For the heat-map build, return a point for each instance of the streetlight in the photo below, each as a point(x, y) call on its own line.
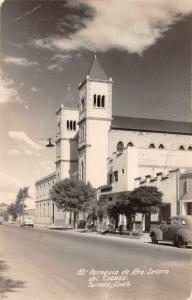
point(50, 144)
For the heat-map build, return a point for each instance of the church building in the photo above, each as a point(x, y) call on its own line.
point(116, 153)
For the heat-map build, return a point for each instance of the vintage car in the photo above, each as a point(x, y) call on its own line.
point(27, 220)
point(177, 229)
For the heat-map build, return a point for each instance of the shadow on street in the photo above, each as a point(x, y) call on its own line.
point(7, 285)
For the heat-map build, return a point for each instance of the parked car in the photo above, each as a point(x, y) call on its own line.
point(27, 221)
point(177, 229)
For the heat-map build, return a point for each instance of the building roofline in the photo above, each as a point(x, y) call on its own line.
point(46, 177)
point(67, 108)
point(151, 125)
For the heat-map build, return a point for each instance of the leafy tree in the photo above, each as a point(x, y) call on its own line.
point(21, 196)
point(108, 208)
point(12, 211)
point(147, 200)
point(123, 205)
point(72, 195)
point(128, 208)
point(111, 208)
point(18, 206)
point(92, 211)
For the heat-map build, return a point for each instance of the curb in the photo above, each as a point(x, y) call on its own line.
point(142, 239)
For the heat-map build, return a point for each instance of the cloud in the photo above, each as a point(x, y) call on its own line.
point(18, 61)
point(124, 24)
point(61, 57)
point(55, 67)
point(24, 142)
point(14, 152)
point(33, 89)
point(8, 92)
point(42, 43)
point(58, 62)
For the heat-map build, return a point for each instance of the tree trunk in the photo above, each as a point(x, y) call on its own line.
point(128, 220)
point(70, 218)
point(74, 220)
point(143, 223)
point(116, 222)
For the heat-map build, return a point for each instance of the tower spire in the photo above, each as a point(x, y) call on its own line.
point(96, 72)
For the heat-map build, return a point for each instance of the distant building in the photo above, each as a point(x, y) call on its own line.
point(4, 212)
point(44, 206)
point(115, 152)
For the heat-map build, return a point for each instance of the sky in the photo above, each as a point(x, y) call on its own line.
point(46, 50)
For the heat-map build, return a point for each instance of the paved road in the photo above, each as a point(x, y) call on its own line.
point(50, 265)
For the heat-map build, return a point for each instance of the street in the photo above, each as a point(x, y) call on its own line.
point(53, 265)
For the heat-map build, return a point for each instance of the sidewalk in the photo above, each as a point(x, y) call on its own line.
point(144, 237)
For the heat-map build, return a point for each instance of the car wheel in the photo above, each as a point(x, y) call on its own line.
point(153, 239)
point(180, 242)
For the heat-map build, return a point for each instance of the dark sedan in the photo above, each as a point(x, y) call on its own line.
point(177, 229)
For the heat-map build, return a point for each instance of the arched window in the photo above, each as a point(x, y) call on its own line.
point(120, 147)
point(181, 147)
point(98, 101)
point(74, 125)
point(68, 124)
point(152, 146)
point(103, 101)
point(71, 125)
point(189, 148)
point(94, 100)
point(130, 144)
point(161, 146)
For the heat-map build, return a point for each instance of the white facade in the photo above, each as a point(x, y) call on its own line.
point(44, 206)
point(94, 123)
point(66, 142)
point(97, 147)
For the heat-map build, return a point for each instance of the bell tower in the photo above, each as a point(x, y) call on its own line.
point(66, 142)
point(95, 117)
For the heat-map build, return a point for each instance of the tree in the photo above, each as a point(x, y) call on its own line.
point(17, 208)
point(92, 212)
point(147, 200)
point(72, 195)
point(128, 208)
point(108, 208)
point(19, 203)
point(113, 208)
point(12, 211)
